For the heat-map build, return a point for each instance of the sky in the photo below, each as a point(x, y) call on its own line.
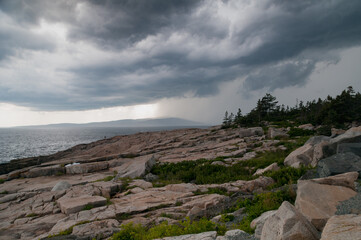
point(80, 61)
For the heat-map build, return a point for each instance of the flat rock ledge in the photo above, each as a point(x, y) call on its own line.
point(74, 205)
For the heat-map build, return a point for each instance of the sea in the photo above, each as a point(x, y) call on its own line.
point(18, 143)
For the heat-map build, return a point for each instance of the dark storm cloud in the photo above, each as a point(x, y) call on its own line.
point(176, 48)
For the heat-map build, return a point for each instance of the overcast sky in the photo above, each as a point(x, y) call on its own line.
point(87, 61)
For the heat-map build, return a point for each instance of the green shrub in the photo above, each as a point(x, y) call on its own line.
point(286, 175)
point(199, 172)
point(106, 179)
point(261, 203)
point(138, 232)
point(324, 130)
point(88, 207)
point(203, 172)
point(167, 215)
point(226, 218)
point(300, 132)
point(2, 180)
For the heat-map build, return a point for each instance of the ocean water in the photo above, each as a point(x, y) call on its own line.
point(30, 142)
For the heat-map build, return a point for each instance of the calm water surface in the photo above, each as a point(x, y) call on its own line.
point(29, 142)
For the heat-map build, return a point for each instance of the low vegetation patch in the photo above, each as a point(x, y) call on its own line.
point(139, 232)
point(286, 176)
point(293, 132)
point(200, 172)
point(32, 215)
point(88, 207)
point(2, 181)
point(106, 179)
point(261, 203)
point(203, 172)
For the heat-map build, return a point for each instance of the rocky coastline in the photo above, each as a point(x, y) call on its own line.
point(90, 191)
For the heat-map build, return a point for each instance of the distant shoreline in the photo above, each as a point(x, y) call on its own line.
point(35, 147)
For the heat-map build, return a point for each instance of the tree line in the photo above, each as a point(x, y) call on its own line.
point(333, 112)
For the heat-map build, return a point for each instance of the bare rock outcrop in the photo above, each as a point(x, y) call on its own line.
point(276, 132)
point(342, 227)
point(97, 229)
point(317, 199)
point(288, 224)
point(338, 164)
point(137, 167)
point(86, 167)
point(250, 132)
point(309, 154)
point(259, 222)
point(76, 204)
point(350, 141)
point(60, 186)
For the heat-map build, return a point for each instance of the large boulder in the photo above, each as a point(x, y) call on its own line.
point(259, 222)
point(276, 132)
point(288, 224)
point(317, 199)
point(309, 154)
point(338, 164)
point(350, 147)
point(349, 141)
point(342, 227)
point(137, 167)
point(250, 132)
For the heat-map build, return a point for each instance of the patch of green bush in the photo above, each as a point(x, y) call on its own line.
point(261, 203)
point(226, 218)
point(2, 180)
point(200, 172)
point(138, 232)
point(324, 130)
point(106, 179)
point(203, 172)
point(294, 132)
point(286, 176)
point(88, 207)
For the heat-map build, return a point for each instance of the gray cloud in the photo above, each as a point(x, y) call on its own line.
point(178, 48)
